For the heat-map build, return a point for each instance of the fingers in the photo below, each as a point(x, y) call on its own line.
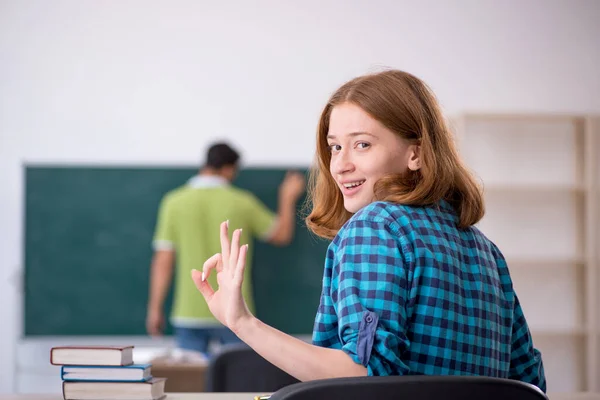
point(155, 330)
point(241, 265)
point(199, 278)
point(235, 249)
point(150, 328)
point(300, 181)
point(291, 177)
point(225, 247)
point(202, 285)
point(154, 326)
point(229, 250)
point(214, 262)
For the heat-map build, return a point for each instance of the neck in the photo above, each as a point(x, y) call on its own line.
point(211, 172)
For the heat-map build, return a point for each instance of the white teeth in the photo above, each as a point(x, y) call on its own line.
point(353, 184)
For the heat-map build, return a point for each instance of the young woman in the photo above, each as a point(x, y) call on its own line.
point(410, 285)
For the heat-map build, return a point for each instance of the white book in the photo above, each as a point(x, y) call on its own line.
point(153, 389)
point(92, 355)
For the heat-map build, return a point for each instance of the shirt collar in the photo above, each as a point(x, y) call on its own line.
point(207, 181)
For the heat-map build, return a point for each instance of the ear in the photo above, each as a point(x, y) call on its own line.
point(414, 157)
point(227, 172)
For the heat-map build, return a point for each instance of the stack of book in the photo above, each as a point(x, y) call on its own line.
point(105, 372)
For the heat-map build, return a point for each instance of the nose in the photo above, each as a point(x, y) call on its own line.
point(341, 163)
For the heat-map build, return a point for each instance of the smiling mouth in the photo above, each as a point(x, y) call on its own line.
point(352, 185)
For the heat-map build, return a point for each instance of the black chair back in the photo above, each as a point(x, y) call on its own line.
point(411, 387)
point(238, 368)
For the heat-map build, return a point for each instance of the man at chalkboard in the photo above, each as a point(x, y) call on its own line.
point(188, 218)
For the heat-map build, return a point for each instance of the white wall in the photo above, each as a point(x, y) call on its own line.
point(155, 81)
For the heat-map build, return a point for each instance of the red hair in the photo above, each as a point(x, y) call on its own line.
point(406, 106)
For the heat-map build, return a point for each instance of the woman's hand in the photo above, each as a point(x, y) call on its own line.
point(226, 303)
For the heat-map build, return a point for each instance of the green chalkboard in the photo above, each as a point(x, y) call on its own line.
point(88, 234)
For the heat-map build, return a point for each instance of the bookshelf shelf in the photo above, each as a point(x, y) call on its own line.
point(553, 332)
point(540, 174)
point(532, 188)
point(544, 263)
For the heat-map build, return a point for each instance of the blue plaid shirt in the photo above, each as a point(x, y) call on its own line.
point(405, 291)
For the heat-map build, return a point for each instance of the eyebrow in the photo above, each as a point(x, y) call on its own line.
point(353, 134)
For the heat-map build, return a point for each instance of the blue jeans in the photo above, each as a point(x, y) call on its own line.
point(198, 339)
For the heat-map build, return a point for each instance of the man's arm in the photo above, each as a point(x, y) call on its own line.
point(160, 279)
point(285, 224)
point(290, 191)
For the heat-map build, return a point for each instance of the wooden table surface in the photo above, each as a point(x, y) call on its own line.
point(250, 396)
point(170, 396)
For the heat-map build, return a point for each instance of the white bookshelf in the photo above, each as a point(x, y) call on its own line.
point(541, 178)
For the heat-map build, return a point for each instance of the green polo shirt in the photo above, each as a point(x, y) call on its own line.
point(188, 223)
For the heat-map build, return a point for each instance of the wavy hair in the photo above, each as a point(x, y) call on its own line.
point(405, 105)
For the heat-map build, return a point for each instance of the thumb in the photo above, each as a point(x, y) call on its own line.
point(202, 285)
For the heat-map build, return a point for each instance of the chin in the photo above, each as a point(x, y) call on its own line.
point(354, 207)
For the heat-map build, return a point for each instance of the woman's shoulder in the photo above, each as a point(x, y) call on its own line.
point(375, 216)
point(400, 217)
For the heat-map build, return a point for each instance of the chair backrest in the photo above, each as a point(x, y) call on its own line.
point(238, 368)
point(411, 387)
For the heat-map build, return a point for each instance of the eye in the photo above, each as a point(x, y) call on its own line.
point(363, 145)
point(335, 148)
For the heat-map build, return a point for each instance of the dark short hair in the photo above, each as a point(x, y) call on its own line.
point(220, 155)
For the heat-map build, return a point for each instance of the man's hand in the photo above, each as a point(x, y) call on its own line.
point(292, 187)
point(155, 322)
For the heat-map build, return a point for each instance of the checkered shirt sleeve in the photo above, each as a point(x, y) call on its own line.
point(525, 360)
point(365, 298)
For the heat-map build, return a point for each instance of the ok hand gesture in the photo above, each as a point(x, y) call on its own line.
point(226, 302)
